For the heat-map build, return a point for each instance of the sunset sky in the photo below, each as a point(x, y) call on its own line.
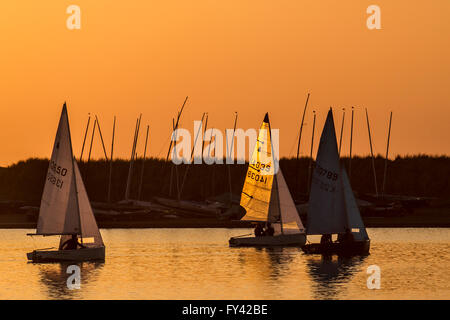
point(250, 56)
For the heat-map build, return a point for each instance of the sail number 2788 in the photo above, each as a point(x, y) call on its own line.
point(324, 172)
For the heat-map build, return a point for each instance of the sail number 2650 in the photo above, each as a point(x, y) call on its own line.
point(57, 169)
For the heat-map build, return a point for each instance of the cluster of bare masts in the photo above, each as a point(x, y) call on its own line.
point(134, 156)
point(172, 146)
point(340, 144)
point(175, 124)
point(133, 152)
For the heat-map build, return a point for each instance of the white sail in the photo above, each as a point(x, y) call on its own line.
point(289, 215)
point(58, 213)
point(90, 235)
point(326, 210)
point(354, 221)
point(257, 190)
point(274, 209)
point(65, 207)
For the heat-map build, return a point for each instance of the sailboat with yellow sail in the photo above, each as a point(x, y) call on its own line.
point(65, 209)
point(266, 198)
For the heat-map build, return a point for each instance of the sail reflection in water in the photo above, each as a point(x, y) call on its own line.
point(54, 277)
point(198, 264)
point(331, 274)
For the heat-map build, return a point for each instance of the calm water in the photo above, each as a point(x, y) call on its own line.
point(198, 264)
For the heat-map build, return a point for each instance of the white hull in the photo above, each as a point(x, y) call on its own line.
point(85, 254)
point(282, 240)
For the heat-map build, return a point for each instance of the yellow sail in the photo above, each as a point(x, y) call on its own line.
point(256, 193)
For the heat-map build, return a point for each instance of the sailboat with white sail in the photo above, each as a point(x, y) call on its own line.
point(65, 209)
point(266, 198)
point(332, 205)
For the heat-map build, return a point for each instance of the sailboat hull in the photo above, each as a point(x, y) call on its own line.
point(85, 254)
point(356, 248)
point(282, 240)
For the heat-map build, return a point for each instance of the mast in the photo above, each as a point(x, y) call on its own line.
point(92, 140)
point(351, 142)
point(192, 158)
point(213, 167)
point(203, 148)
point(175, 127)
point(204, 132)
point(229, 154)
point(210, 142)
point(387, 153)
point(371, 152)
point(174, 165)
point(298, 145)
point(111, 161)
point(133, 153)
point(85, 135)
point(310, 154)
point(275, 180)
point(171, 167)
point(143, 164)
point(101, 137)
point(342, 130)
point(209, 156)
point(73, 172)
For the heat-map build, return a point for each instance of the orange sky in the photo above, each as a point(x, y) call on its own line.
point(250, 56)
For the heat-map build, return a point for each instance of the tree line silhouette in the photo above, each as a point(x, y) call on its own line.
point(417, 175)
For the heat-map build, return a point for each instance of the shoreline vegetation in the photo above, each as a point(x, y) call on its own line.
point(423, 176)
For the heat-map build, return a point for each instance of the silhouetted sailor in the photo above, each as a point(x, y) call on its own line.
point(71, 244)
point(259, 231)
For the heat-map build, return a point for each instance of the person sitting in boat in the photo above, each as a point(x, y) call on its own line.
point(269, 230)
point(259, 230)
point(345, 237)
point(71, 244)
point(326, 239)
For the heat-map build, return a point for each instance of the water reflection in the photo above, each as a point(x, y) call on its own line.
point(54, 278)
point(198, 264)
point(270, 263)
point(331, 274)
